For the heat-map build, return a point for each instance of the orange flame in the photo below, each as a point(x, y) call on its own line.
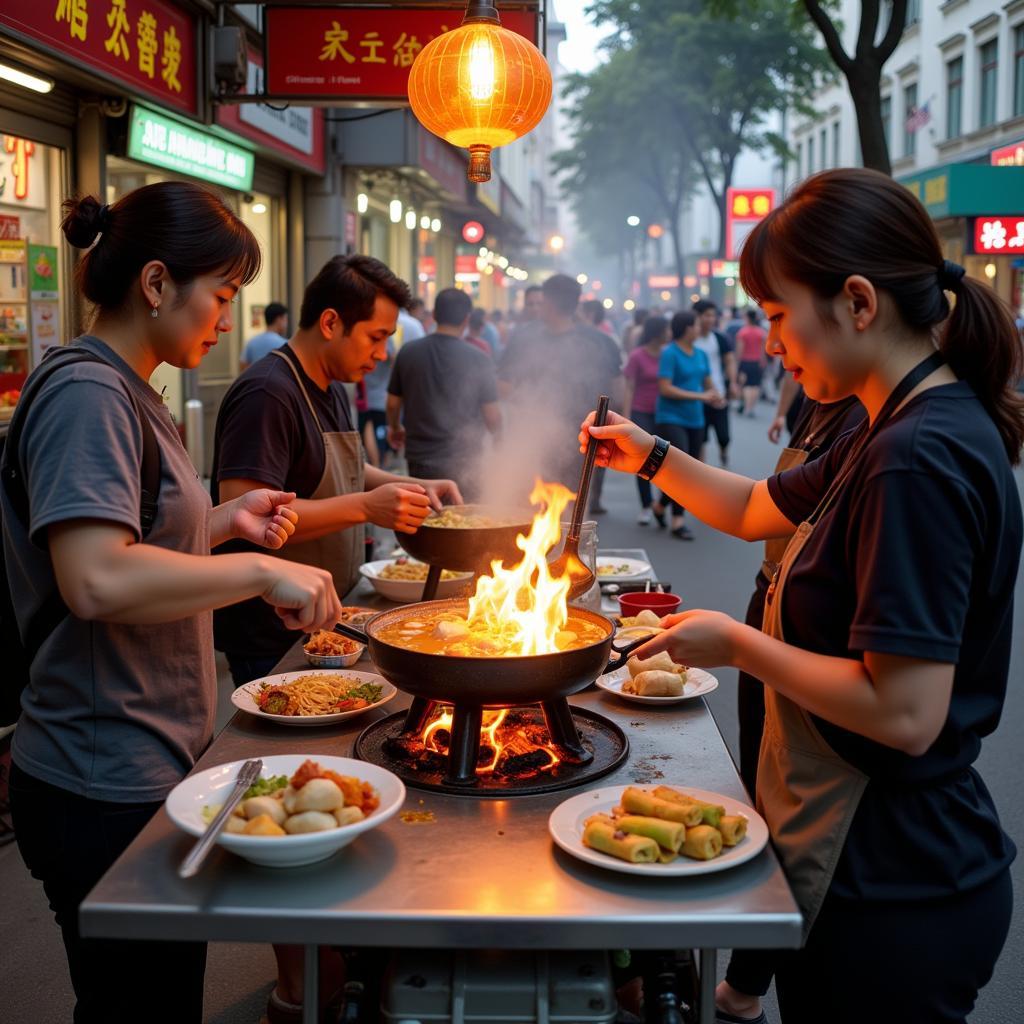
point(490, 737)
point(525, 605)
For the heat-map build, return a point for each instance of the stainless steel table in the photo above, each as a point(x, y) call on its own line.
point(484, 873)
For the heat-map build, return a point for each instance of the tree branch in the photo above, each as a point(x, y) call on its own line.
point(828, 33)
point(868, 28)
point(894, 33)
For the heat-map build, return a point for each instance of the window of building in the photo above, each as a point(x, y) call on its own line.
point(823, 152)
point(913, 12)
point(835, 144)
point(887, 119)
point(1018, 71)
point(799, 160)
point(988, 58)
point(909, 119)
point(954, 97)
point(810, 154)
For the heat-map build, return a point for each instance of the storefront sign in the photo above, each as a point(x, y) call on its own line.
point(998, 235)
point(22, 174)
point(663, 281)
point(445, 164)
point(744, 208)
point(968, 190)
point(149, 45)
point(10, 227)
point(357, 52)
point(1009, 156)
point(166, 142)
point(42, 271)
point(297, 133)
point(718, 268)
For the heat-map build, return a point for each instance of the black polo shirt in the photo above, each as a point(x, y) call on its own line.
point(917, 557)
point(266, 432)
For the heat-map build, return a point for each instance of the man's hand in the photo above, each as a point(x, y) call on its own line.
point(775, 430)
point(263, 517)
point(396, 438)
point(302, 595)
point(712, 397)
point(399, 507)
point(438, 490)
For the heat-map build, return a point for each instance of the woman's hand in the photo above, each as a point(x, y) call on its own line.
point(302, 595)
point(263, 517)
point(700, 638)
point(624, 446)
point(438, 490)
point(712, 397)
point(401, 507)
point(776, 428)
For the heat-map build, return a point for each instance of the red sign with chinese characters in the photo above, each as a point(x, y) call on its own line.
point(999, 235)
point(744, 207)
point(146, 44)
point(10, 227)
point(357, 53)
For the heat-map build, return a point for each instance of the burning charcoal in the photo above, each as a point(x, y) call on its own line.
point(442, 739)
point(432, 761)
point(486, 755)
point(519, 717)
point(527, 763)
point(407, 748)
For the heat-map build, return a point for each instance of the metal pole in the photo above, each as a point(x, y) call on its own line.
point(194, 439)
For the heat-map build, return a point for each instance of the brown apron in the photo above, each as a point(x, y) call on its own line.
point(341, 552)
point(806, 792)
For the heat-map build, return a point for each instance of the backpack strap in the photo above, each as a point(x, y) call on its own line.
point(53, 610)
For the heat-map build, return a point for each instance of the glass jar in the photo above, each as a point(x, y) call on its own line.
point(588, 556)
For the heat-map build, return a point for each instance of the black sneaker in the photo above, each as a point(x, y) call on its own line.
point(682, 533)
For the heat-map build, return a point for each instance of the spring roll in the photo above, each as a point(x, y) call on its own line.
point(669, 834)
point(636, 849)
point(733, 828)
point(710, 813)
point(654, 684)
point(636, 801)
point(658, 662)
point(666, 856)
point(702, 843)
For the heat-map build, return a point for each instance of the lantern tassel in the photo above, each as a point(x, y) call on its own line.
point(479, 163)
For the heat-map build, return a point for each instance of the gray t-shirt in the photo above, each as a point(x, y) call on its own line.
point(444, 383)
point(111, 712)
point(260, 345)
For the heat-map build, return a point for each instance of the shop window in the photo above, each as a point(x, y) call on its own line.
point(257, 213)
point(1018, 71)
point(910, 121)
point(33, 266)
point(988, 58)
point(954, 97)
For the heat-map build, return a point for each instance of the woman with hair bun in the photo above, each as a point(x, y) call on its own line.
point(885, 647)
point(114, 586)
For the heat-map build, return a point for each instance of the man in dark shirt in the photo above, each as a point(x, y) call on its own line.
point(552, 377)
point(287, 420)
point(443, 398)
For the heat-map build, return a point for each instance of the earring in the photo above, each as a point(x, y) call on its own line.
point(155, 312)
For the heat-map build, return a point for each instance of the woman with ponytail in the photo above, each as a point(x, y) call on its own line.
point(107, 532)
point(885, 646)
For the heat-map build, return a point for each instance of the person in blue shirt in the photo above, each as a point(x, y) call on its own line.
point(274, 336)
point(684, 388)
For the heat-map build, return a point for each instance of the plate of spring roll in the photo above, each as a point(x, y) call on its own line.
point(658, 830)
point(657, 680)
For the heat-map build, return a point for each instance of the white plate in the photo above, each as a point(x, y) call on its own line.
point(566, 828)
point(612, 682)
point(631, 569)
point(211, 786)
point(406, 591)
point(244, 697)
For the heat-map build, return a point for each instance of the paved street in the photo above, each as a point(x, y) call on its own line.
point(713, 571)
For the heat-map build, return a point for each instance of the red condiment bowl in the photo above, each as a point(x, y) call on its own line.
point(660, 604)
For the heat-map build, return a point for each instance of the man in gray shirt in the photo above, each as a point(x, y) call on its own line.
point(443, 398)
point(273, 337)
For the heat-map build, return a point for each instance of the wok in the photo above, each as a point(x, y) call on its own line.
point(487, 682)
point(474, 548)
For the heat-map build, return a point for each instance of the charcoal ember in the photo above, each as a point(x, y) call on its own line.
point(485, 755)
point(537, 734)
point(513, 765)
point(432, 761)
point(442, 739)
point(407, 748)
point(520, 717)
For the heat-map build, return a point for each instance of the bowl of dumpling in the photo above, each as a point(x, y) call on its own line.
point(301, 809)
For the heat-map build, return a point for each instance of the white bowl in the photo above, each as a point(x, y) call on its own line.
point(211, 786)
point(408, 591)
point(334, 660)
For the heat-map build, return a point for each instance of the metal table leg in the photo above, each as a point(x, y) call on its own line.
point(706, 993)
point(311, 986)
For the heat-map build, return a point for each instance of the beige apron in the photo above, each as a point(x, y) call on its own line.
point(806, 792)
point(341, 552)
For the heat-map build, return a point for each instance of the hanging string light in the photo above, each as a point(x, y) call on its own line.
point(479, 86)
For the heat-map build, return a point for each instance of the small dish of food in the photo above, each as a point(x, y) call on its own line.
point(356, 615)
point(301, 810)
point(610, 567)
point(657, 680)
point(662, 830)
point(633, 627)
point(327, 649)
point(401, 579)
point(313, 698)
point(654, 601)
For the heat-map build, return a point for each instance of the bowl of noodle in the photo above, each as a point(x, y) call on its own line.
point(313, 698)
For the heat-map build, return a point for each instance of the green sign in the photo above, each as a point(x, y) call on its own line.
point(968, 190)
point(42, 271)
point(167, 142)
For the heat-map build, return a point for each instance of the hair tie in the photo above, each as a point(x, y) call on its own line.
point(103, 218)
point(950, 276)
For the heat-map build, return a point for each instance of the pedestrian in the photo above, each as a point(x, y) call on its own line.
point(722, 360)
point(443, 399)
point(486, 330)
point(685, 391)
point(735, 324)
point(121, 696)
point(641, 375)
point(552, 373)
point(474, 333)
point(276, 334)
point(419, 312)
point(500, 325)
point(373, 422)
point(886, 645)
point(631, 333)
point(410, 328)
point(594, 313)
point(750, 341)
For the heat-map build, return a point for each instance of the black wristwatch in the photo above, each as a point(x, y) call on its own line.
point(654, 459)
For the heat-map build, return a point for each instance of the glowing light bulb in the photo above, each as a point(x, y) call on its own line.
point(425, 222)
point(481, 69)
point(435, 225)
point(410, 219)
point(395, 210)
point(362, 202)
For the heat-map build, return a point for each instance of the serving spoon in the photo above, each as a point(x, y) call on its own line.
point(569, 562)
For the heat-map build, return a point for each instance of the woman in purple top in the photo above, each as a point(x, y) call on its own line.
point(641, 375)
